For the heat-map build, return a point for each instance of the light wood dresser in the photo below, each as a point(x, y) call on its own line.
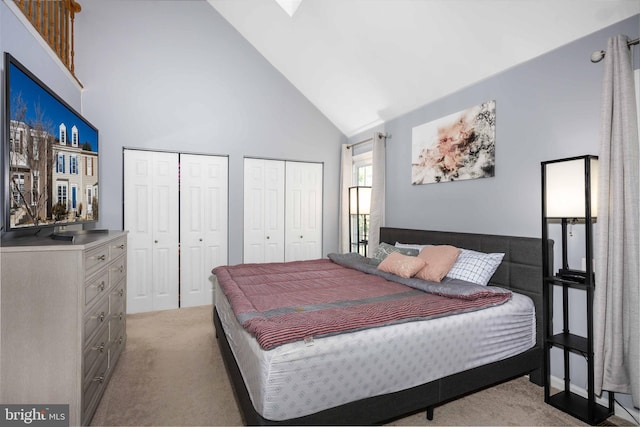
point(62, 319)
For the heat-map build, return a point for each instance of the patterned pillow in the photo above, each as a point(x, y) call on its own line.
point(401, 265)
point(440, 259)
point(384, 249)
point(409, 246)
point(475, 267)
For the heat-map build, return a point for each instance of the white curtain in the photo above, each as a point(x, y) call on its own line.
point(346, 178)
point(617, 253)
point(377, 191)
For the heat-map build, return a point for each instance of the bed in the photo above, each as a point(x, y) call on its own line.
point(520, 272)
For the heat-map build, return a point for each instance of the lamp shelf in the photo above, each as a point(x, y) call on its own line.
point(560, 281)
point(569, 196)
point(571, 342)
point(578, 407)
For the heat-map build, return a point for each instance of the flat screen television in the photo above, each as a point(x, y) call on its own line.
point(50, 157)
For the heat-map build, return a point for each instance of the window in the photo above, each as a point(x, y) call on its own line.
point(17, 141)
point(89, 200)
point(17, 187)
point(74, 136)
point(362, 177)
point(363, 169)
point(60, 164)
point(35, 187)
point(73, 165)
point(63, 134)
point(88, 165)
point(62, 193)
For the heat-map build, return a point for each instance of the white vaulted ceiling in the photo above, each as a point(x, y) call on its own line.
point(363, 62)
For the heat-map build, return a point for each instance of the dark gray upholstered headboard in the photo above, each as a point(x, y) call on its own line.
point(521, 267)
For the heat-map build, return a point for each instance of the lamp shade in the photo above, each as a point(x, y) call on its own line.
point(569, 185)
point(359, 200)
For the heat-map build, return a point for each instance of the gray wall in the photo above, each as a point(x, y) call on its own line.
point(174, 75)
point(547, 108)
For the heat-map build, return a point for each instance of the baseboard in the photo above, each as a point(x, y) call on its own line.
point(619, 411)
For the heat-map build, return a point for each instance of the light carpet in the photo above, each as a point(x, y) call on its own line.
point(171, 373)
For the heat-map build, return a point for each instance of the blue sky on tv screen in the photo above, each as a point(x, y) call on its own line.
point(54, 111)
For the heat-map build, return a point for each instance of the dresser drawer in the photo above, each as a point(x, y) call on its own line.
point(95, 350)
point(96, 317)
point(95, 287)
point(118, 247)
point(117, 297)
point(95, 258)
point(117, 342)
point(118, 317)
point(117, 271)
point(94, 384)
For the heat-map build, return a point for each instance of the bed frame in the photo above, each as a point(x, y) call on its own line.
point(520, 271)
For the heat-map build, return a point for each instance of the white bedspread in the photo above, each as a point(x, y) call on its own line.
point(301, 378)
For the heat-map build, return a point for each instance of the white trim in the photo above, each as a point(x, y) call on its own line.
point(619, 411)
point(13, 7)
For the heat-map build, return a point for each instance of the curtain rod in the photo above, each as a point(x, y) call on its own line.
point(379, 135)
point(358, 143)
point(599, 54)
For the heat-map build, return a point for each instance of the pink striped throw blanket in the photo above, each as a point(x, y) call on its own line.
point(285, 302)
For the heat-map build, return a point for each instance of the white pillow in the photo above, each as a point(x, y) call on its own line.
point(475, 267)
point(410, 246)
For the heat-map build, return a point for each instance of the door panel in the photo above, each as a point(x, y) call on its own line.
point(303, 233)
point(204, 218)
point(263, 210)
point(151, 217)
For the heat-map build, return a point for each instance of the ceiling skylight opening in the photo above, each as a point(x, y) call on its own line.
point(289, 6)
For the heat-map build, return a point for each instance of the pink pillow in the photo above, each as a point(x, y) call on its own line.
point(439, 260)
point(401, 265)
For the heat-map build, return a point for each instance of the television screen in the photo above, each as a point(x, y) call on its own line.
point(50, 156)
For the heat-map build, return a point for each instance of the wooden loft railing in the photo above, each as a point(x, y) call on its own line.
point(54, 20)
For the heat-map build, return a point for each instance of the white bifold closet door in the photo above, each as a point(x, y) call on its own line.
point(303, 214)
point(263, 210)
point(282, 210)
point(151, 217)
point(176, 213)
point(203, 225)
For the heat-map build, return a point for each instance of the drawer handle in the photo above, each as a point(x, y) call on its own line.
point(100, 257)
point(121, 315)
point(99, 348)
point(101, 316)
point(121, 292)
point(99, 379)
point(119, 246)
point(100, 286)
point(119, 269)
point(120, 339)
